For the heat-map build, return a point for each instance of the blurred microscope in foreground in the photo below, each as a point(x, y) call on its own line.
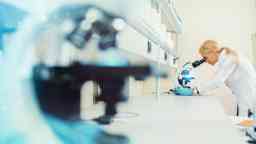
point(11, 16)
point(92, 31)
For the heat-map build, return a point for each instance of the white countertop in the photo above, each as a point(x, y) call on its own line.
point(176, 120)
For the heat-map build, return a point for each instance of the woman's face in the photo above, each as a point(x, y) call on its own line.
point(211, 57)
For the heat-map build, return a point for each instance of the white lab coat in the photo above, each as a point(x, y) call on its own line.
point(239, 75)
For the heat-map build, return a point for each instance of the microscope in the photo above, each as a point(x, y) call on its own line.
point(58, 87)
point(11, 16)
point(185, 78)
point(45, 92)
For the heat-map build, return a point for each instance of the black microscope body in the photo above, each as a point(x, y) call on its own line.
point(58, 88)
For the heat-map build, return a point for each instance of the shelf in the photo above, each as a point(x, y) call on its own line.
point(172, 19)
point(140, 15)
point(135, 46)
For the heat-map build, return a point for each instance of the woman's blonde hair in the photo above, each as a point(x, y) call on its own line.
point(209, 46)
point(212, 46)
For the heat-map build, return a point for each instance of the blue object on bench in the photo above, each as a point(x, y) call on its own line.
point(183, 91)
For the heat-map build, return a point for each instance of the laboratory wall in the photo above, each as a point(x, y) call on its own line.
point(254, 49)
point(231, 22)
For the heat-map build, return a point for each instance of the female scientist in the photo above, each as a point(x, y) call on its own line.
point(236, 72)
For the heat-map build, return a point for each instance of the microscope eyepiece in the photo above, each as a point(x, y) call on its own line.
point(198, 62)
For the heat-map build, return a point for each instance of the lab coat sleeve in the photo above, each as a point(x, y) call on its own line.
point(225, 69)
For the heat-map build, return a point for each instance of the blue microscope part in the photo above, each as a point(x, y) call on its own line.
point(112, 59)
point(185, 78)
point(183, 91)
point(74, 132)
point(185, 72)
point(10, 16)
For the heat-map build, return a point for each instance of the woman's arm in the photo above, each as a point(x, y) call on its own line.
point(227, 66)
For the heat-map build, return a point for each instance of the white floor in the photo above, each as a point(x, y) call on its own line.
point(172, 120)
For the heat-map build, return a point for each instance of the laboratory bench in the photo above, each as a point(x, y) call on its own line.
point(173, 120)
